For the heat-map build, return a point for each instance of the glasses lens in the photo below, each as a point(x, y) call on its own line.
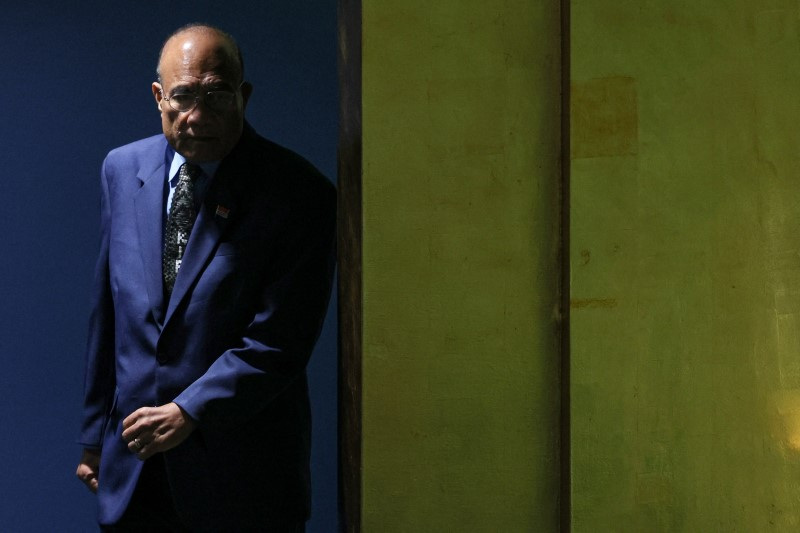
point(220, 100)
point(182, 101)
point(215, 100)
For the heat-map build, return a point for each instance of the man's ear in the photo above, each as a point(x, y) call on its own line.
point(157, 94)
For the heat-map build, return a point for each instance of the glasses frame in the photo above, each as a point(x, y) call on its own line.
point(197, 98)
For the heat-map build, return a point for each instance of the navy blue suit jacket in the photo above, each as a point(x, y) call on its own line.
point(231, 343)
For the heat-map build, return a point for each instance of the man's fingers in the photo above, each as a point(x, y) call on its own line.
point(91, 483)
point(128, 421)
point(150, 430)
point(136, 423)
point(131, 420)
point(142, 449)
point(144, 446)
point(139, 443)
point(131, 433)
point(88, 476)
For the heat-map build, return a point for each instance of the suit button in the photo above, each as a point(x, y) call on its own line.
point(161, 357)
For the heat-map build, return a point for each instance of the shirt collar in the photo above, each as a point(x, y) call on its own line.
point(208, 168)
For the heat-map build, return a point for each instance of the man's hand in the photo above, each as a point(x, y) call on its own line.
point(150, 430)
point(89, 468)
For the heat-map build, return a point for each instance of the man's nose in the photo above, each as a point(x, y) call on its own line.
point(199, 112)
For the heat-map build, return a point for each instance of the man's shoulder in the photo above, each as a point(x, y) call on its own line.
point(283, 168)
point(142, 149)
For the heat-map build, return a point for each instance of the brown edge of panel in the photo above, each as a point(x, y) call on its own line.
point(349, 253)
point(565, 482)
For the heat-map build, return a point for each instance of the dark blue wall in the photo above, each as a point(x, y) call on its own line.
point(74, 83)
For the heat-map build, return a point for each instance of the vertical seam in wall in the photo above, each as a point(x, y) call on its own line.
point(565, 504)
point(349, 239)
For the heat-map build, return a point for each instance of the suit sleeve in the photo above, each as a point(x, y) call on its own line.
point(281, 336)
point(99, 383)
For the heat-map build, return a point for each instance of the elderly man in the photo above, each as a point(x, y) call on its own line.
point(210, 289)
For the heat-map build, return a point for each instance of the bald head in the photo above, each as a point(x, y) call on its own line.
point(228, 46)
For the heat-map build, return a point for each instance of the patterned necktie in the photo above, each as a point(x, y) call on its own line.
point(181, 219)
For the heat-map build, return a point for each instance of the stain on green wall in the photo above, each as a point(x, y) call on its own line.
point(460, 245)
point(603, 117)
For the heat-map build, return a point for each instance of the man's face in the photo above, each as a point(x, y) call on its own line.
point(196, 63)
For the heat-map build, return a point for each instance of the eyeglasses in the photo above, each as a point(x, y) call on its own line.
point(216, 100)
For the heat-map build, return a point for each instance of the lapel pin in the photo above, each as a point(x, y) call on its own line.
point(223, 211)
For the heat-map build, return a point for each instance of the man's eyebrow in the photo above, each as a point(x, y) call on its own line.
point(184, 87)
point(219, 84)
point(202, 87)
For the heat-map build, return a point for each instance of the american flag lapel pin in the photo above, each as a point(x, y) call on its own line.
point(223, 211)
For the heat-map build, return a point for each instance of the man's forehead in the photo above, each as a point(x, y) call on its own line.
point(199, 48)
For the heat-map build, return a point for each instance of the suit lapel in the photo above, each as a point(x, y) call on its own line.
point(149, 204)
point(214, 216)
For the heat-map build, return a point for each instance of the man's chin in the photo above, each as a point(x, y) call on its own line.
point(200, 151)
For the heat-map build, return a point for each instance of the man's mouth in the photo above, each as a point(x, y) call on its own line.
point(196, 138)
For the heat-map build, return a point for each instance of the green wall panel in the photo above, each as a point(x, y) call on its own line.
point(685, 266)
point(461, 141)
